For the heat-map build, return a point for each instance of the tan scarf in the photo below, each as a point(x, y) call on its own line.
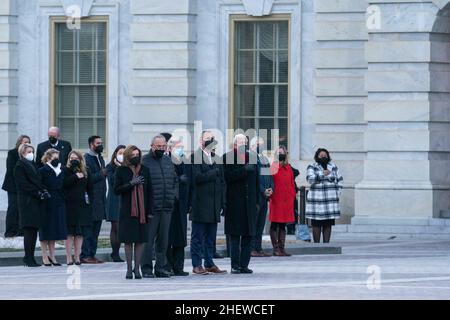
point(137, 198)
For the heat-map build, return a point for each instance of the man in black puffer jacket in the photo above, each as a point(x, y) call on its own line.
point(164, 192)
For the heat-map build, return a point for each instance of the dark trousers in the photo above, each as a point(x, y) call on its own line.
point(260, 224)
point(240, 247)
point(175, 259)
point(12, 228)
point(158, 241)
point(203, 239)
point(90, 242)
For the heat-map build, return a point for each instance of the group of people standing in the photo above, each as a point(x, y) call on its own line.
point(62, 194)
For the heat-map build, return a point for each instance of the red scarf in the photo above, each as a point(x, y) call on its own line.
point(137, 198)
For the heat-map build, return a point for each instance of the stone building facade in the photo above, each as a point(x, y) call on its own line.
point(366, 79)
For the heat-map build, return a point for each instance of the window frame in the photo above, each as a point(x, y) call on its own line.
point(234, 19)
point(54, 20)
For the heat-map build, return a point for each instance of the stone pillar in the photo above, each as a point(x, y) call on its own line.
point(163, 62)
point(340, 68)
point(8, 85)
point(406, 173)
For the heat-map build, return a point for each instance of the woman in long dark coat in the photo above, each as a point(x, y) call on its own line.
point(113, 202)
point(54, 225)
point(9, 185)
point(178, 222)
point(30, 194)
point(132, 183)
point(241, 176)
point(78, 191)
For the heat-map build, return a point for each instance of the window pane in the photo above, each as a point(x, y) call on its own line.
point(101, 101)
point(245, 100)
point(86, 67)
point(246, 71)
point(66, 101)
point(268, 125)
point(67, 127)
point(283, 35)
point(283, 66)
point(66, 67)
point(282, 125)
point(245, 124)
point(86, 129)
point(87, 36)
point(266, 36)
point(283, 101)
point(101, 67)
point(86, 101)
point(65, 38)
point(101, 36)
point(101, 130)
point(266, 59)
point(266, 101)
point(245, 35)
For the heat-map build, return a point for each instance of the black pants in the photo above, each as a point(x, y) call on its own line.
point(241, 248)
point(90, 242)
point(158, 241)
point(260, 224)
point(12, 228)
point(29, 243)
point(175, 259)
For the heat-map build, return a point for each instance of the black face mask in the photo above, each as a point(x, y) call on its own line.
point(74, 163)
point(99, 149)
point(282, 157)
point(323, 162)
point(54, 162)
point(135, 161)
point(52, 140)
point(159, 153)
point(211, 143)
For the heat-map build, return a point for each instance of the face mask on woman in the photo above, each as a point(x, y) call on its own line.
point(119, 158)
point(135, 160)
point(29, 156)
point(74, 163)
point(54, 162)
point(282, 157)
point(178, 152)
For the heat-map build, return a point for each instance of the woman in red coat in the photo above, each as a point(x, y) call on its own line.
point(281, 201)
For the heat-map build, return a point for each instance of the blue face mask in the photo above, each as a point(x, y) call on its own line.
point(179, 152)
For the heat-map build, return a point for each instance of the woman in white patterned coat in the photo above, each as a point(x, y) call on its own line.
point(322, 202)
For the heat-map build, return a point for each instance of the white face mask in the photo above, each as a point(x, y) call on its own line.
point(29, 156)
point(120, 158)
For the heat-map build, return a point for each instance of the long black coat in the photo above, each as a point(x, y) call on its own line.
point(54, 222)
point(208, 190)
point(178, 222)
point(112, 199)
point(78, 212)
point(9, 183)
point(63, 147)
point(130, 229)
point(242, 196)
point(29, 184)
point(98, 200)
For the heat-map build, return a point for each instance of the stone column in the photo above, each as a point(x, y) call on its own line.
point(406, 174)
point(163, 62)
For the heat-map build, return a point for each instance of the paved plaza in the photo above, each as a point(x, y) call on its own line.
point(366, 269)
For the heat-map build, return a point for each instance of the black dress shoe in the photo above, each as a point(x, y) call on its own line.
point(137, 274)
point(148, 274)
point(30, 263)
point(162, 274)
point(181, 274)
point(116, 258)
point(246, 270)
point(129, 275)
point(235, 271)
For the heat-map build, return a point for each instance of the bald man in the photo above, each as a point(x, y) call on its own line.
point(53, 141)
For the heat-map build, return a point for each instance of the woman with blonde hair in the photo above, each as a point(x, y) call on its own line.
point(78, 192)
point(132, 183)
point(12, 214)
point(281, 201)
point(54, 226)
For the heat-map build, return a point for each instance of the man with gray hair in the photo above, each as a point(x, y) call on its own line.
point(164, 189)
point(54, 142)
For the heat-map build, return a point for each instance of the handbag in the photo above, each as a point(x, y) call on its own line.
point(302, 232)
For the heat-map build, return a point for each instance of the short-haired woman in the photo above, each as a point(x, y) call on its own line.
point(54, 225)
point(113, 202)
point(78, 192)
point(132, 183)
point(281, 201)
point(30, 194)
point(322, 202)
point(12, 214)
